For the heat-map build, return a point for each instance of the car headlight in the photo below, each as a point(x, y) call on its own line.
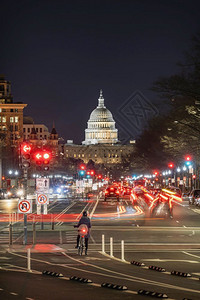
point(9, 193)
point(20, 192)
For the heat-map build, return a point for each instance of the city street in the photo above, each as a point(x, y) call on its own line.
point(172, 244)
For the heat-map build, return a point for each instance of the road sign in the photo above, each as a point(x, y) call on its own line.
point(42, 198)
point(42, 185)
point(24, 206)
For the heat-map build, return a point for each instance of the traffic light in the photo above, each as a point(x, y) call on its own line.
point(82, 167)
point(25, 155)
point(92, 172)
point(171, 165)
point(43, 158)
point(156, 173)
point(188, 159)
point(82, 172)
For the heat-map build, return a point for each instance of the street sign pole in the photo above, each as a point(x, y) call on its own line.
point(25, 196)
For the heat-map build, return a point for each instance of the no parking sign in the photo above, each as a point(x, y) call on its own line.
point(42, 198)
point(24, 206)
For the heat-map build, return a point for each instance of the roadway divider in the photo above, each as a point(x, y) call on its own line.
point(80, 279)
point(182, 274)
point(159, 269)
point(54, 274)
point(137, 263)
point(114, 286)
point(152, 294)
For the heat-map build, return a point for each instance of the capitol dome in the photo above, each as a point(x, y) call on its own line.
point(101, 126)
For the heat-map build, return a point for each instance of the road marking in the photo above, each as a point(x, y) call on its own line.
point(94, 208)
point(191, 254)
point(166, 260)
point(123, 277)
point(193, 233)
point(82, 210)
point(63, 211)
point(14, 294)
point(177, 221)
point(184, 226)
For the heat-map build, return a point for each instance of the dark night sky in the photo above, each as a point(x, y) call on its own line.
point(59, 54)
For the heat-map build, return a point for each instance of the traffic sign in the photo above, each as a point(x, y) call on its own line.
point(42, 198)
point(42, 185)
point(24, 206)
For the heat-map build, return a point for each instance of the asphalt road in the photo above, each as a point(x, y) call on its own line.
point(172, 244)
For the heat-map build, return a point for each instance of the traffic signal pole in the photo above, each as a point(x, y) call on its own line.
point(25, 196)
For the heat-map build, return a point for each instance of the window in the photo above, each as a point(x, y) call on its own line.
point(4, 119)
point(3, 110)
point(16, 109)
point(40, 129)
point(0, 118)
point(16, 119)
point(11, 110)
point(0, 110)
point(28, 129)
point(24, 129)
point(16, 127)
point(11, 119)
point(36, 129)
point(11, 127)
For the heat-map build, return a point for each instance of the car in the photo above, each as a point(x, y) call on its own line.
point(111, 192)
point(194, 195)
point(3, 193)
point(126, 190)
point(197, 201)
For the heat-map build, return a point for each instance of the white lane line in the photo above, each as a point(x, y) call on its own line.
point(94, 208)
point(191, 254)
point(184, 226)
point(177, 221)
point(13, 293)
point(83, 210)
point(123, 276)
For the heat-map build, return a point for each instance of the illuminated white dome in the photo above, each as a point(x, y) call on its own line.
point(101, 126)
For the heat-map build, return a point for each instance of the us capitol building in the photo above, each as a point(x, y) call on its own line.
point(101, 143)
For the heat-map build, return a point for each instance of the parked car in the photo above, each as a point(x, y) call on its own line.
point(194, 195)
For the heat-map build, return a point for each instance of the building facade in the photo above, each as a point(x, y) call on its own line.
point(101, 143)
point(42, 131)
point(11, 115)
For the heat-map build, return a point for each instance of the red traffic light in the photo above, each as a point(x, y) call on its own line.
point(156, 173)
point(99, 176)
point(82, 167)
point(26, 148)
point(194, 176)
point(171, 165)
point(188, 158)
point(92, 172)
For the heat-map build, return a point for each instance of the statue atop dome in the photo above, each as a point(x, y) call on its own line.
point(101, 99)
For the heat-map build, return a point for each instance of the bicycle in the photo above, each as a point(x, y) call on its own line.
point(82, 231)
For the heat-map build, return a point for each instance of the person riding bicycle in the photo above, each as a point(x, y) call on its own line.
point(86, 221)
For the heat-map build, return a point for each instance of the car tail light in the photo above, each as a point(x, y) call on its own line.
point(117, 192)
point(106, 192)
